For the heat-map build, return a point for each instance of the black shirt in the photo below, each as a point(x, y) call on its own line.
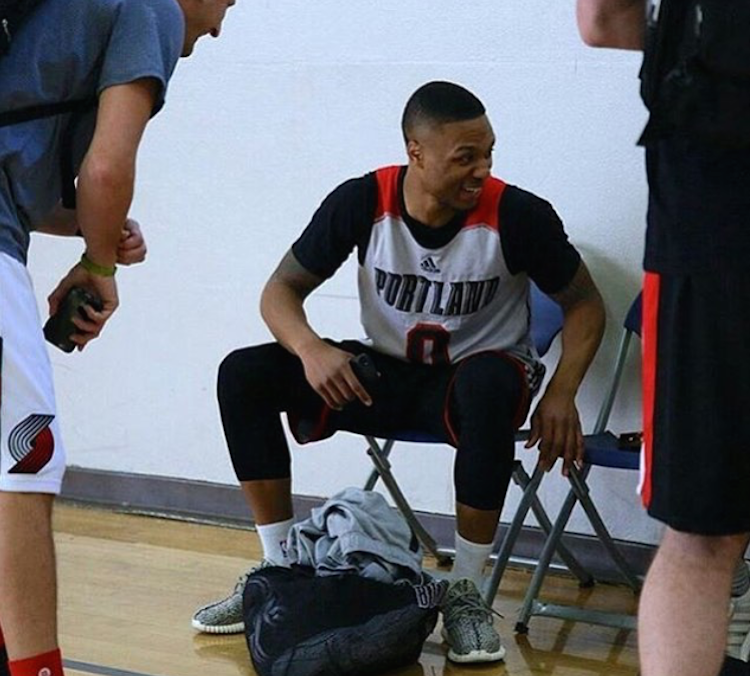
point(531, 233)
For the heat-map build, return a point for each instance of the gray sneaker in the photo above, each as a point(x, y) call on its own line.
point(467, 625)
point(738, 634)
point(225, 616)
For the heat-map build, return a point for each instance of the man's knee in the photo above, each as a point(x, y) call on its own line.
point(719, 551)
point(244, 372)
point(485, 373)
point(489, 378)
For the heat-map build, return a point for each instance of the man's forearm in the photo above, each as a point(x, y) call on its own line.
point(581, 336)
point(103, 200)
point(619, 24)
point(283, 312)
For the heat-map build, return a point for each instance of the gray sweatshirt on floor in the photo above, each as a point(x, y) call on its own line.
point(357, 531)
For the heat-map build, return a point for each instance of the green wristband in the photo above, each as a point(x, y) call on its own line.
point(95, 269)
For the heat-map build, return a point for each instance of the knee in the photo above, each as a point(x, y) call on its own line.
point(238, 374)
point(716, 551)
point(488, 378)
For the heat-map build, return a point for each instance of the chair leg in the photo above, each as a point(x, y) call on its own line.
point(529, 486)
point(384, 470)
point(384, 451)
point(530, 500)
point(581, 489)
point(585, 579)
point(542, 566)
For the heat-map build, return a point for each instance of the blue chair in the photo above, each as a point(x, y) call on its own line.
point(546, 323)
point(603, 449)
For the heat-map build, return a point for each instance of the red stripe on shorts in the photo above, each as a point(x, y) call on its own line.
point(651, 285)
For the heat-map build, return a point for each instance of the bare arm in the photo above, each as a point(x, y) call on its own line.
point(282, 305)
point(107, 176)
point(105, 190)
point(327, 368)
point(612, 23)
point(555, 423)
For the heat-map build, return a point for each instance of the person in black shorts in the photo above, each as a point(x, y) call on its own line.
point(446, 253)
point(696, 367)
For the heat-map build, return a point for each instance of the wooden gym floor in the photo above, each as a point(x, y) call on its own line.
point(129, 585)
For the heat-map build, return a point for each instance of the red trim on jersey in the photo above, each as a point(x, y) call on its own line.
point(523, 403)
point(651, 284)
point(485, 214)
point(388, 200)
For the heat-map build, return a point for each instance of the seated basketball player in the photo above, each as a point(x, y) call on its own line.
point(446, 253)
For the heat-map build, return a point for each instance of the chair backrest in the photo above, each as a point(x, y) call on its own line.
point(546, 320)
point(630, 327)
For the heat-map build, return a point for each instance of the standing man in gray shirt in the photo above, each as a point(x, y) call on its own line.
point(115, 56)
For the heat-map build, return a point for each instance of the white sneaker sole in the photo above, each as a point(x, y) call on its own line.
point(236, 628)
point(477, 656)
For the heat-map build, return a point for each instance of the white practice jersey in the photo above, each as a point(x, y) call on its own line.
point(441, 305)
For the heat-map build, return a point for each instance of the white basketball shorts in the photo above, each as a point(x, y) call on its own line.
point(32, 456)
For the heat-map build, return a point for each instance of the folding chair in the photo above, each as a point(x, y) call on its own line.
point(602, 450)
point(546, 323)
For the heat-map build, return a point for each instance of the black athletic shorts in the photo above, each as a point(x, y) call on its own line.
point(407, 396)
point(696, 386)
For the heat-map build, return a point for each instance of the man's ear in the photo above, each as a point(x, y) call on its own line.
point(414, 152)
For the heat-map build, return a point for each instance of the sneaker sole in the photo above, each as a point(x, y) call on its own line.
point(477, 656)
point(236, 628)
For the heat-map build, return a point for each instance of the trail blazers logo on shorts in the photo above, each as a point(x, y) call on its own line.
point(31, 444)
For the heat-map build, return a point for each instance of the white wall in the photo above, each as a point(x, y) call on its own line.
point(295, 97)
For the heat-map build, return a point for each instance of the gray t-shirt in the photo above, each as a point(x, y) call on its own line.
point(71, 49)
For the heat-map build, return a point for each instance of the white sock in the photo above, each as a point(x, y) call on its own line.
point(471, 558)
point(273, 539)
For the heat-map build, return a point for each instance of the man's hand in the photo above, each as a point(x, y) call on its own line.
point(556, 427)
point(132, 246)
point(329, 372)
point(104, 287)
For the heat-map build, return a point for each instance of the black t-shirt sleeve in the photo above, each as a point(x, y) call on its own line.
point(534, 240)
point(342, 222)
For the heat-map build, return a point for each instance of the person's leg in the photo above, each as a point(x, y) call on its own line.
point(271, 503)
point(28, 587)
point(32, 464)
point(483, 404)
point(696, 467)
point(254, 386)
point(682, 619)
point(484, 401)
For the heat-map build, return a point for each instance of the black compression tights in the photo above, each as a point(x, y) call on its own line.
point(483, 395)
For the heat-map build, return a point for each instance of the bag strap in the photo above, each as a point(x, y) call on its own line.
point(10, 117)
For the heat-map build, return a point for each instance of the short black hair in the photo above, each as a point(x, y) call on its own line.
point(438, 103)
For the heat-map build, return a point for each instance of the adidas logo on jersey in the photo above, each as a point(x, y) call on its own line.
point(428, 265)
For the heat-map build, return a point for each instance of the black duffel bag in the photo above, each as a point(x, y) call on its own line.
point(297, 624)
